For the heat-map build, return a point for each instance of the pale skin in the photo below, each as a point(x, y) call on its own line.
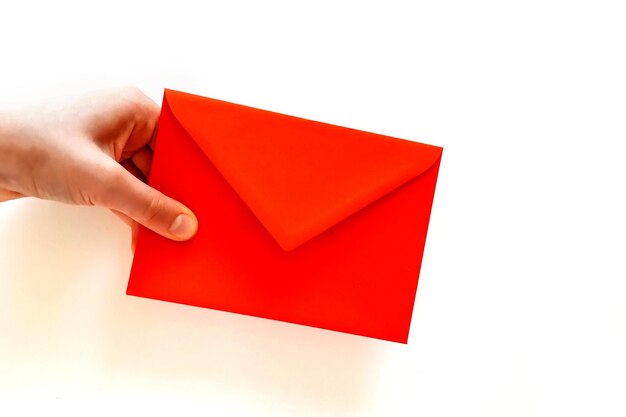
point(95, 150)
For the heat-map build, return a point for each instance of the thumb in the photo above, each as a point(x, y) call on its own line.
point(149, 207)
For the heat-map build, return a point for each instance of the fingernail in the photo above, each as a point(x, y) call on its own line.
point(183, 227)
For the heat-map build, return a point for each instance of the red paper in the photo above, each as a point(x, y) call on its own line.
point(300, 221)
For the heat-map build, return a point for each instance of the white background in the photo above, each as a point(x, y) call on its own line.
point(521, 308)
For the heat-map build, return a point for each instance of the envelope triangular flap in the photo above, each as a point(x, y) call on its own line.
point(299, 177)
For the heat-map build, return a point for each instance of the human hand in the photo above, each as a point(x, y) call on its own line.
point(96, 150)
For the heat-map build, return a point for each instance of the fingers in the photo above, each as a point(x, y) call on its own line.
point(143, 160)
point(120, 120)
point(152, 142)
point(139, 164)
point(128, 131)
point(149, 207)
point(145, 114)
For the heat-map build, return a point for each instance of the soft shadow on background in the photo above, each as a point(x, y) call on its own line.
point(68, 329)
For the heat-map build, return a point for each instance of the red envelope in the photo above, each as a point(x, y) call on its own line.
point(300, 221)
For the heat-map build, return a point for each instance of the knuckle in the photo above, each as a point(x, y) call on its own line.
point(140, 105)
point(133, 93)
point(133, 97)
